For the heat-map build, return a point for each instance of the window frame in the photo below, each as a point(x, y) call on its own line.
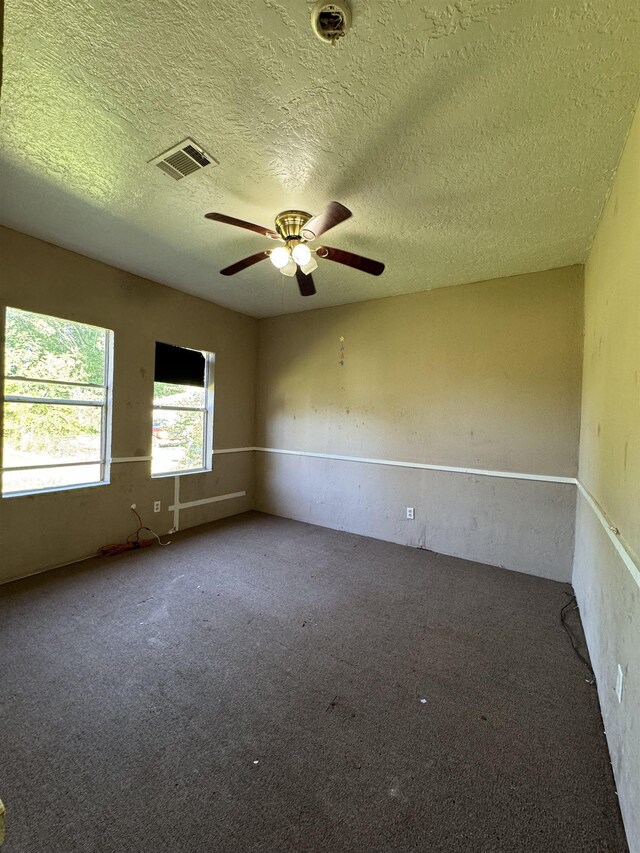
point(207, 410)
point(106, 415)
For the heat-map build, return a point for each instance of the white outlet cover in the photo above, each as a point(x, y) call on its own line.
point(411, 513)
point(619, 683)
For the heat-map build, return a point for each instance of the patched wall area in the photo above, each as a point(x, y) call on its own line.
point(482, 377)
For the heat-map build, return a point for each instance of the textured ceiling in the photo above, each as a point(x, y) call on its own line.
point(471, 139)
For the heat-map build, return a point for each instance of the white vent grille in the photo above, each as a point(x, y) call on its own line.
point(183, 160)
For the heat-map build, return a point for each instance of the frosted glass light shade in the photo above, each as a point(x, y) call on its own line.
point(301, 254)
point(280, 257)
point(289, 268)
point(307, 269)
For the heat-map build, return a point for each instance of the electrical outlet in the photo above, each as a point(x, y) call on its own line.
point(619, 683)
point(156, 506)
point(411, 513)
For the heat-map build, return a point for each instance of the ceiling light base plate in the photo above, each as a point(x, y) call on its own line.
point(330, 21)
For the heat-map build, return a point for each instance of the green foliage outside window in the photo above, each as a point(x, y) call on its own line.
point(178, 435)
point(42, 347)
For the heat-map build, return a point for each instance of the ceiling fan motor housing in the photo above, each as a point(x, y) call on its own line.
point(330, 21)
point(290, 223)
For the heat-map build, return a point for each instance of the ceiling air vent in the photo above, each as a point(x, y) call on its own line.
point(183, 159)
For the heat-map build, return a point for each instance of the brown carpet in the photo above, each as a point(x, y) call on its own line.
point(258, 686)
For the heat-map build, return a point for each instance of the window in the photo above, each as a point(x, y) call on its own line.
point(182, 411)
point(57, 403)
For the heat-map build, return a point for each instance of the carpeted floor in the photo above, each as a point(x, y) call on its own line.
point(259, 686)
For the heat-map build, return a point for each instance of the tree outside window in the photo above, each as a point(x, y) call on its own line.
point(56, 420)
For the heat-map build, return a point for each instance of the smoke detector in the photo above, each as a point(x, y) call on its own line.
point(330, 21)
point(183, 159)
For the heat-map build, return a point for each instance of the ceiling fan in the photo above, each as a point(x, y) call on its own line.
point(296, 258)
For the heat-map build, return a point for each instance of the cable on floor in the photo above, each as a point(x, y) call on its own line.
point(574, 641)
point(133, 541)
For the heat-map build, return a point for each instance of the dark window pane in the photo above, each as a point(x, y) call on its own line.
point(178, 365)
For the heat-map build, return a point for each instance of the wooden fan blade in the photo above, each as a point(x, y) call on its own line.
point(240, 223)
point(333, 214)
point(305, 283)
point(349, 259)
point(244, 263)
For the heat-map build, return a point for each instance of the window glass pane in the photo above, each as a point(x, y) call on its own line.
point(49, 478)
point(178, 443)
point(165, 394)
point(42, 347)
point(41, 434)
point(18, 388)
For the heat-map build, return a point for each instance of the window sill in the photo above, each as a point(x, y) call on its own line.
point(73, 488)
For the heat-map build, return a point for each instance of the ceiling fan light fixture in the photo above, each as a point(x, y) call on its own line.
point(295, 258)
point(280, 257)
point(289, 268)
point(307, 269)
point(301, 254)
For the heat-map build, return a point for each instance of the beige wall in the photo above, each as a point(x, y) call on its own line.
point(607, 590)
point(484, 375)
point(39, 277)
